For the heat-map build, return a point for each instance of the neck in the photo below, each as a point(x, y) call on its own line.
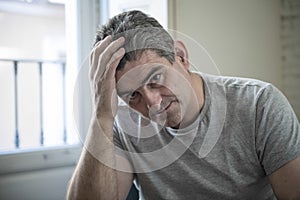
point(198, 86)
point(197, 103)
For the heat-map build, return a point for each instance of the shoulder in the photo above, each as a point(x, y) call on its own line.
point(235, 82)
point(249, 95)
point(237, 87)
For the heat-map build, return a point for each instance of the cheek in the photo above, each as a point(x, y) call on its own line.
point(167, 91)
point(172, 87)
point(179, 82)
point(140, 108)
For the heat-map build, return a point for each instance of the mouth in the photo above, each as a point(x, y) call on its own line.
point(165, 108)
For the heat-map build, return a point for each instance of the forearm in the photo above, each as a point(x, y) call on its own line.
point(92, 179)
point(285, 181)
point(96, 175)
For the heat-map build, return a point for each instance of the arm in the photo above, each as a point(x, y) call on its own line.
point(286, 180)
point(94, 180)
point(278, 143)
point(96, 175)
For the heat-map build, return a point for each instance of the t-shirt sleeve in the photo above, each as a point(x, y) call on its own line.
point(120, 148)
point(277, 130)
point(116, 139)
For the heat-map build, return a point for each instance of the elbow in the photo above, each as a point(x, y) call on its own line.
point(291, 195)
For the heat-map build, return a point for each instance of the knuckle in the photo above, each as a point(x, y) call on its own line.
point(91, 54)
point(91, 59)
point(91, 75)
point(98, 43)
point(104, 59)
point(102, 64)
point(115, 56)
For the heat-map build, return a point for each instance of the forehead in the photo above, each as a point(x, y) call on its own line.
point(135, 73)
point(148, 58)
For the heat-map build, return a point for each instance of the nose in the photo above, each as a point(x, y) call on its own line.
point(151, 96)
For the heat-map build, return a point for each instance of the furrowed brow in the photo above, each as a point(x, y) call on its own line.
point(146, 79)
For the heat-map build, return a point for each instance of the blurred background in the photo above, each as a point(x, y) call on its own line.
point(43, 44)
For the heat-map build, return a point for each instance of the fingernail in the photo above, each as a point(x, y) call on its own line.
point(98, 43)
point(122, 50)
point(122, 39)
point(108, 37)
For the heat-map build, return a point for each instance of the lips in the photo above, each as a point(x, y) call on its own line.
point(164, 108)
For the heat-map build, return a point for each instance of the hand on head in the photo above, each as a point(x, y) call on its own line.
point(104, 59)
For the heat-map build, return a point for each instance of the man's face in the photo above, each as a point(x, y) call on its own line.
point(157, 89)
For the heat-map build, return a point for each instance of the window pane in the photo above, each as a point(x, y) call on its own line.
point(29, 104)
point(7, 104)
point(156, 8)
point(53, 104)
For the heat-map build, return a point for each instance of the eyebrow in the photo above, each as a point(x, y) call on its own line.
point(150, 73)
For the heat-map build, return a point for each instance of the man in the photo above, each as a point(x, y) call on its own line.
point(185, 135)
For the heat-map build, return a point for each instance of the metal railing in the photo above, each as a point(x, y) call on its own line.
point(40, 65)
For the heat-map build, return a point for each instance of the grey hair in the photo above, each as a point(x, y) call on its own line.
point(141, 33)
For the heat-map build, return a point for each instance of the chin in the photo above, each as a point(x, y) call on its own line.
point(175, 126)
point(173, 123)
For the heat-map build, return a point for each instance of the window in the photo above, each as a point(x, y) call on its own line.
point(35, 77)
point(156, 8)
point(38, 68)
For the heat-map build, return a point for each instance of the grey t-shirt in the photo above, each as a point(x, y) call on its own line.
point(246, 130)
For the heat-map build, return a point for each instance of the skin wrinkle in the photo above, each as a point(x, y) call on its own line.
point(173, 71)
point(147, 42)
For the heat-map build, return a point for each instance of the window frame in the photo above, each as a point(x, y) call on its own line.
point(46, 157)
point(25, 160)
point(89, 14)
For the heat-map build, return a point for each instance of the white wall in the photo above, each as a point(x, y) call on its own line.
point(242, 36)
point(290, 34)
point(31, 37)
point(24, 35)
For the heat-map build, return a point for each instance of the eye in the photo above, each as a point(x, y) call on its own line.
point(156, 77)
point(133, 96)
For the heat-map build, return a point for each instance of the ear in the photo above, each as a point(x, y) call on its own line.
point(181, 53)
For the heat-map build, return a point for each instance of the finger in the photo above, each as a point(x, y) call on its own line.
point(101, 46)
point(108, 52)
point(95, 53)
point(113, 63)
point(110, 69)
point(92, 53)
point(108, 80)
